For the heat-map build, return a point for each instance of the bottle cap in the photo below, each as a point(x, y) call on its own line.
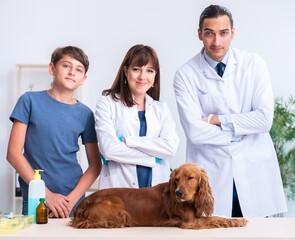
point(42, 199)
point(37, 175)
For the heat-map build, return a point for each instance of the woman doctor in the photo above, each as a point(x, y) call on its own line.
point(136, 133)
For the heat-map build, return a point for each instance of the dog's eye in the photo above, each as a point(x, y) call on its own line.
point(190, 178)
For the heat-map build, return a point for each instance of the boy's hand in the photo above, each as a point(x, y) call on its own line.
point(58, 205)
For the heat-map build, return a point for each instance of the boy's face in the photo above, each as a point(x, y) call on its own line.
point(68, 73)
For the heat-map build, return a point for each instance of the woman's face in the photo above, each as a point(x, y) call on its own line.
point(140, 79)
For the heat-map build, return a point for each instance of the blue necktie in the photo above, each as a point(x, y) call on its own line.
point(220, 68)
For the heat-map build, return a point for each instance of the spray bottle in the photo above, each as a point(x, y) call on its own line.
point(36, 191)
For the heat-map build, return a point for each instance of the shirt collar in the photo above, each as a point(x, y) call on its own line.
point(212, 62)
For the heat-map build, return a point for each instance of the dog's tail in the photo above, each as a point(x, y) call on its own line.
point(101, 212)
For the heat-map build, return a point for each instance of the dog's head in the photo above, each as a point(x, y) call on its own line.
point(189, 184)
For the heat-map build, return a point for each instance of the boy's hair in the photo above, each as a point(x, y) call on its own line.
point(74, 52)
point(138, 55)
point(214, 11)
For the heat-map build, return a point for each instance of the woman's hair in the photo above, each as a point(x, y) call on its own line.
point(74, 52)
point(214, 11)
point(138, 55)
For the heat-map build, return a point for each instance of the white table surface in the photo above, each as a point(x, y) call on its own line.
point(257, 228)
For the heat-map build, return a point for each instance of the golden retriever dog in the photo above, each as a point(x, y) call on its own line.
point(185, 201)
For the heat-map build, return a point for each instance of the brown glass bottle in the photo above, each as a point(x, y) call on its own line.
point(42, 212)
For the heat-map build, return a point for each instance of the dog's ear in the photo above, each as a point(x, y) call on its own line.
point(172, 183)
point(169, 195)
point(204, 201)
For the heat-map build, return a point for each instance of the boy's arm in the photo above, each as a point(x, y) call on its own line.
point(89, 175)
point(15, 151)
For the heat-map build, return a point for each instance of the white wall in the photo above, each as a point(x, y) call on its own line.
point(30, 30)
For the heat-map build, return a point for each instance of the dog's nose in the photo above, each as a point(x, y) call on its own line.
point(179, 193)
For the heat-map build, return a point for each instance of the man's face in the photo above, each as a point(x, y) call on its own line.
point(216, 34)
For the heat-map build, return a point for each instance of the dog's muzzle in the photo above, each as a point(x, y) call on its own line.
point(179, 193)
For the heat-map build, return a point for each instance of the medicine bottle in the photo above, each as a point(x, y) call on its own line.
point(42, 212)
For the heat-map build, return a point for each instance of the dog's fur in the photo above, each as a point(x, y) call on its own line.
point(185, 201)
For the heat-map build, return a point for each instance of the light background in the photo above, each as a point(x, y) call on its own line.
point(105, 29)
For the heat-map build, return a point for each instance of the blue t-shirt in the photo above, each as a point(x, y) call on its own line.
point(144, 174)
point(51, 141)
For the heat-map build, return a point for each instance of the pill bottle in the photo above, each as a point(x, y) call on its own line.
point(42, 212)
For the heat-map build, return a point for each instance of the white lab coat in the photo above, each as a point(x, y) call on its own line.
point(113, 119)
point(245, 93)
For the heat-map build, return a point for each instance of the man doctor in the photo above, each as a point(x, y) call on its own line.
point(226, 112)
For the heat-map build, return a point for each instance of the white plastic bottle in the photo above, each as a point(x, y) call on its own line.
point(36, 191)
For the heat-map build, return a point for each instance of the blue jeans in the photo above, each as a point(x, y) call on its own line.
point(25, 206)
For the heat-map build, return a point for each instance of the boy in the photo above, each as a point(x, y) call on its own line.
point(45, 132)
